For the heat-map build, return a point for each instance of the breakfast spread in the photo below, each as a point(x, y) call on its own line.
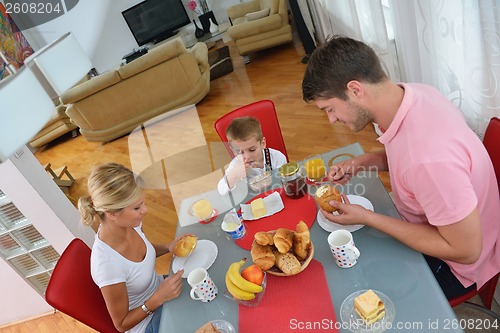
point(325, 194)
point(185, 245)
point(282, 252)
point(258, 208)
point(369, 307)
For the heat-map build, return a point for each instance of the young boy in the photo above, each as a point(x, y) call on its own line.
point(249, 145)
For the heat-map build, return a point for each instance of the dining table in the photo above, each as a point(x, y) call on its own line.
point(384, 265)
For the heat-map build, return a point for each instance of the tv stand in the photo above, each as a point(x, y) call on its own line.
point(134, 54)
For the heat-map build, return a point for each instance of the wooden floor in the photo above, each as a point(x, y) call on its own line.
point(274, 74)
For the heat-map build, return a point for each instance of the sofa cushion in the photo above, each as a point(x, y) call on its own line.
point(257, 15)
point(90, 87)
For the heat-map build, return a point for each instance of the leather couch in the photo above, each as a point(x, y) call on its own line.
point(259, 24)
point(114, 103)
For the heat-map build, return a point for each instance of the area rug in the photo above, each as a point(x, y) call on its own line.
point(220, 63)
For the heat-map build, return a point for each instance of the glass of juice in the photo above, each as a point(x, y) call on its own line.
point(315, 168)
point(203, 210)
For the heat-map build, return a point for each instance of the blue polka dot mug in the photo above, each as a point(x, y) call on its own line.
point(344, 251)
point(203, 287)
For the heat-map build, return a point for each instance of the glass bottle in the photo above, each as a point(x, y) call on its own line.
point(292, 180)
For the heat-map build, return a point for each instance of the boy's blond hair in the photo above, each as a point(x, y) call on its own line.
point(244, 128)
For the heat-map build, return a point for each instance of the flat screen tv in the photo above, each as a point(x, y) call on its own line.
point(152, 21)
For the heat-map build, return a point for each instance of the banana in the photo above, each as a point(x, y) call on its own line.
point(239, 281)
point(237, 292)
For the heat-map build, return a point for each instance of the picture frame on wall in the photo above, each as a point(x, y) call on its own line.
point(13, 44)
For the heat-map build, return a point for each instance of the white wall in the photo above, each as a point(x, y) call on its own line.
point(39, 199)
point(101, 30)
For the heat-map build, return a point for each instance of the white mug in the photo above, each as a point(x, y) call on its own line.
point(344, 251)
point(202, 287)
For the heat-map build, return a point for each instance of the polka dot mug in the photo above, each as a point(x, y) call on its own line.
point(344, 251)
point(203, 287)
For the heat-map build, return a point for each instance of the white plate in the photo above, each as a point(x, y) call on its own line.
point(353, 322)
point(332, 226)
point(204, 255)
point(223, 326)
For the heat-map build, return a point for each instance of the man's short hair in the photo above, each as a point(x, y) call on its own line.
point(338, 61)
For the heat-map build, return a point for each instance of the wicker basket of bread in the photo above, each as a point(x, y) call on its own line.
point(283, 252)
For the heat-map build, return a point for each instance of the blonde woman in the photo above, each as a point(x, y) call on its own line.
point(122, 261)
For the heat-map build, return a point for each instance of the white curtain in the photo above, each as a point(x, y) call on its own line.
point(453, 45)
point(360, 19)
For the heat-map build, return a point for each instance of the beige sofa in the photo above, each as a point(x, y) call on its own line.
point(58, 124)
point(114, 103)
point(253, 33)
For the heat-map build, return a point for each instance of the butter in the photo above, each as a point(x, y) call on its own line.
point(320, 191)
point(258, 208)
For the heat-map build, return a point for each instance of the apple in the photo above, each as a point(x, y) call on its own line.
point(253, 273)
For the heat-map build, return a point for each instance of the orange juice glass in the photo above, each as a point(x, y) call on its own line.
point(315, 168)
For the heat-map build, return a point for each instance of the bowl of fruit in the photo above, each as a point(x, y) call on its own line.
point(245, 286)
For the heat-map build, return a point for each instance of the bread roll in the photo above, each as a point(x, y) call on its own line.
point(325, 194)
point(264, 238)
point(288, 263)
point(185, 245)
point(283, 240)
point(301, 240)
point(263, 256)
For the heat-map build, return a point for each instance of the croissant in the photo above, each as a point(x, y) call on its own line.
point(264, 238)
point(283, 240)
point(301, 240)
point(288, 263)
point(263, 256)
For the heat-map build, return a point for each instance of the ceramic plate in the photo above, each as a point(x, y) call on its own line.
point(352, 321)
point(223, 326)
point(204, 255)
point(331, 226)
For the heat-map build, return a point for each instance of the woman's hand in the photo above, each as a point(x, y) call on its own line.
point(347, 213)
point(171, 287)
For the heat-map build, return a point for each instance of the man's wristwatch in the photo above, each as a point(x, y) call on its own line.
point(145, 309)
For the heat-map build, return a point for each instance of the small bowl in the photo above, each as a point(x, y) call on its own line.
point(254, 302)
point(260, 182)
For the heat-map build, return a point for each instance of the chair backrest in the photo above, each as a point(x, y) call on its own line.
point(265, 112)
point(492, 143)
point(72, 291)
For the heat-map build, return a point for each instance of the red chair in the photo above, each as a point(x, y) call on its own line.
point(492, 143)
point(265, 112)
point(72, 291)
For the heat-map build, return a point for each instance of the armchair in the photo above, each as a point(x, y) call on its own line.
point(255, 28)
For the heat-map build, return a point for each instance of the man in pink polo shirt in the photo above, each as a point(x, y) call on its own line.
point(442, 178)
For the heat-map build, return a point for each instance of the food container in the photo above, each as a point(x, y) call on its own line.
point(259, 179)
point(303, 263)
point(233, 225)
point(254, 302)
point(292, 180)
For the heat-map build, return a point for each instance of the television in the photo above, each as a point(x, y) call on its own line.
point(152, 21)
